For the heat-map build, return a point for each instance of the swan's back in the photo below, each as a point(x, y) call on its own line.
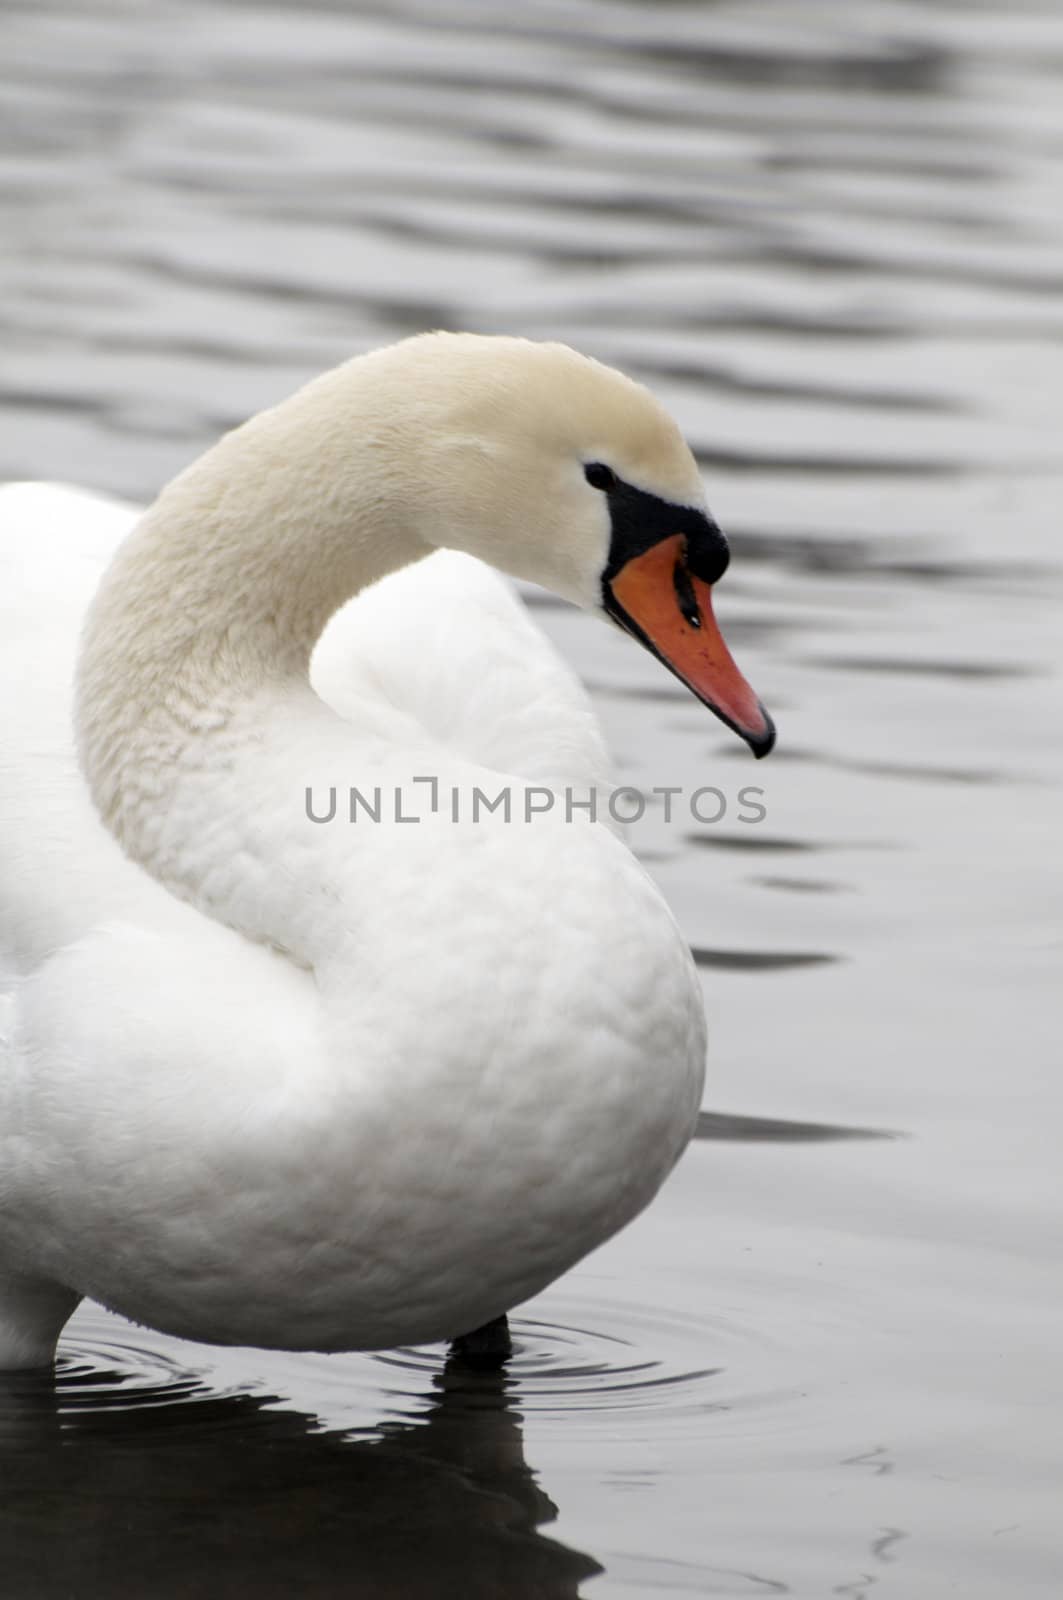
point(448, 644)
point(443, 649)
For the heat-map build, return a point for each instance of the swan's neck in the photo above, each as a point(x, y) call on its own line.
point(196, 651)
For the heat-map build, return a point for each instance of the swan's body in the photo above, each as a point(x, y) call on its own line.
point(329, 1086)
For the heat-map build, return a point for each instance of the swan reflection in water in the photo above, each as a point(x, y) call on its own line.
point(176, 1491)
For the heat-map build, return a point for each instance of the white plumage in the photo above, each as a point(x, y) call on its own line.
point(344, 1085)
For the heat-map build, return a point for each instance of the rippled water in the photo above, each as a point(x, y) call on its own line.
point(831, 236)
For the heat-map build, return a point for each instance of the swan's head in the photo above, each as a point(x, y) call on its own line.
point(565, 472)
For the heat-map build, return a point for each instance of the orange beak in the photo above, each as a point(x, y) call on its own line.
point(661, 603)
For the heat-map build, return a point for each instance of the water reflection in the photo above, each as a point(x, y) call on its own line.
point(169, 1489)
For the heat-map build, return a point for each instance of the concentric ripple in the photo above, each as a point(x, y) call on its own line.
point(614, 1364)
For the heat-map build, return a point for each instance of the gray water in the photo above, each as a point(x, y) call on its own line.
point(830, 235)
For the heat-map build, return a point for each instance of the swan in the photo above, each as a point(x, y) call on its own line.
point(272, 1078)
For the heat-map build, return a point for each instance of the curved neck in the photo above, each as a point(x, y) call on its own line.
point(204, 624)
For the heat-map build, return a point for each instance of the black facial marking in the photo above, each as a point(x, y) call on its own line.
point(708, 555)
point(641, 520)
point(599, 476)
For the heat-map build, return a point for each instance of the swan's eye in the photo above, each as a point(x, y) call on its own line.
point(599, 476)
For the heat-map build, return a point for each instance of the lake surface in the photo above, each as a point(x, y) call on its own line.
point(830, 235)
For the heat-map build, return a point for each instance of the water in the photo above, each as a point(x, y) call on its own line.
point(831, 236)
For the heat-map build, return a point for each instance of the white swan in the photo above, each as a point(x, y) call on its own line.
point(265, 1080)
